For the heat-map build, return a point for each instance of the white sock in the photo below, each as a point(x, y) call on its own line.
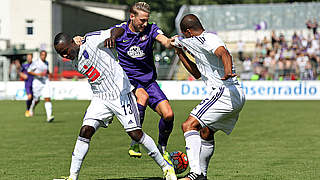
point(193, 145)
point(207, 150)
point(79, 153)
point(152, 150)
point(48, 107)
point(33, 104)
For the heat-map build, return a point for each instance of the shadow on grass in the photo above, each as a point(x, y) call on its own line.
point(135, 178)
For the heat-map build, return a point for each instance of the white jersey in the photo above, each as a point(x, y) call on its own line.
point(39, 66)
point(98, 64)
point(202, 48)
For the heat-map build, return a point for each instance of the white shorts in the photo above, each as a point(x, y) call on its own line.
point(41, 88)
point(220, 109)
point(100, 112)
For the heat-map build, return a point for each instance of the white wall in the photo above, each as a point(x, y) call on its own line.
point(16, 12)
point(5, 26)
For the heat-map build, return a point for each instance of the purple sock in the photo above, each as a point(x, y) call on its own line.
point(142, 111)
point(165, 129)
point(28, 103)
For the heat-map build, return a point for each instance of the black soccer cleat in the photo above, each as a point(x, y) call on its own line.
point(194, 176)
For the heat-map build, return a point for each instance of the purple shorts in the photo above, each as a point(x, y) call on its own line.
point(28, 89)
point(155, 93)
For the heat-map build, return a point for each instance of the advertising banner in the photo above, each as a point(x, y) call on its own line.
point(179, 90)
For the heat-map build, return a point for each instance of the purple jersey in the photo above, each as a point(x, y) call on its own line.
point(24, 69)
point(135, 53)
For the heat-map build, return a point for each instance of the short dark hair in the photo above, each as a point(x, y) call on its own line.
point(142, 6)
point(190, 21)
point(61, 38)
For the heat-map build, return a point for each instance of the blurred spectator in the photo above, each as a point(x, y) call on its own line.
point(247, 69)
point(314, 26)
point(14, 70)
point(274, 39)
point(240, 47)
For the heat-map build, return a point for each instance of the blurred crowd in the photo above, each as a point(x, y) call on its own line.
point(278, 58)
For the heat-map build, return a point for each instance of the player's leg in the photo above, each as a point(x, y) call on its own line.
point(81, 147)
point(159, 103)
point(165, 123)
point(152, 150)
point(127, 113)
point(37, 87)
point(29, 100)
point(97, 115)
point(46, 93)
point(207, 149)
point(191, 129)
point(142, 102)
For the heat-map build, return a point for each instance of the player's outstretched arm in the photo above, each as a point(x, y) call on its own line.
point(115, 33)
point(166, 42)
point(188, 64)
point(223, 54)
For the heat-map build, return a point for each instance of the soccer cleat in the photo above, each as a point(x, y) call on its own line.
point(134, 151)
point(67, 178)
point(194, 176)
point(27, 113)
point(167, 158)
point(169, 173)
point(50, 119)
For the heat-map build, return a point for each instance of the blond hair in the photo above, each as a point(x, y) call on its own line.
point(140, 6)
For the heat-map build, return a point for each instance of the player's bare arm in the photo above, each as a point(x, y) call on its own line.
point(223, 54)
point(38, 74)
point(111, 41)
point(166, 42)
point(188, 64)
point(23, 75)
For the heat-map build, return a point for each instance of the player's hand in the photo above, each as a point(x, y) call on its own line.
point(78, 40)
point(172, 39)
point(227, 76)
point(110, 42)
point(42, 74)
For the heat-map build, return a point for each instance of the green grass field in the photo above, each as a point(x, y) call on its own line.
point(273, 140)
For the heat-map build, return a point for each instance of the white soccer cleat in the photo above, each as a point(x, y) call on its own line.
point(168, 170)
point(169, 173)
point(50, 119)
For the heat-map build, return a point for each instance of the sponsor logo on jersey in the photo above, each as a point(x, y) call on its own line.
point(143, 38)
point(135, 52)
point(85, 54)
point(130, 122)
point(125, 40)
point(159, 31)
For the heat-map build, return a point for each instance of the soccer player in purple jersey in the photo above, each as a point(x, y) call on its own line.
point(135, 55)
point(28, 78)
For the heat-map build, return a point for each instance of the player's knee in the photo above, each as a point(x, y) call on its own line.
point(185, 126)
point(206, 134)
point(190, 124)
point(168, 116)
point(87, 131)
point(136, 135)
point(142, 96)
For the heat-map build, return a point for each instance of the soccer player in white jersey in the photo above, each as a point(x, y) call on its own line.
point(225, 99)
point(41, 85)
point(111, 96)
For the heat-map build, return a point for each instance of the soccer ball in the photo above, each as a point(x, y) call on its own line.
point(180, 161)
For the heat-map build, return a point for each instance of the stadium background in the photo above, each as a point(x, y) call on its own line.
point(273, 139)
